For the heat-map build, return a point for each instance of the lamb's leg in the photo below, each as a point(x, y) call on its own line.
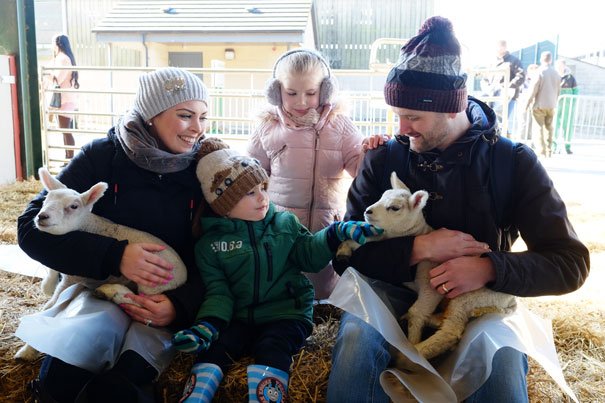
point(420, 312)
point(435, 321)
point(345, 250)
point(27, 352)
point(115, 293)
point(454, 322)
point(401, 361)
point(49, 283)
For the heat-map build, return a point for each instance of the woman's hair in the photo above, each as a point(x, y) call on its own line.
point(300, 63)
point(62, 42)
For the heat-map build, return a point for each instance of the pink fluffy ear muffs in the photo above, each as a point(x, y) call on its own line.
point(326, 88)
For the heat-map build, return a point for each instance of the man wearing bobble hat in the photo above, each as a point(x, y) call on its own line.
point(251, 258)
point(445, 146)
point(148, 160)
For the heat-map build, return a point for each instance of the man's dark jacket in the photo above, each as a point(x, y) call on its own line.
point(457, 180)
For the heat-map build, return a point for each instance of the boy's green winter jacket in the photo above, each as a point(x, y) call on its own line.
point(252, 270)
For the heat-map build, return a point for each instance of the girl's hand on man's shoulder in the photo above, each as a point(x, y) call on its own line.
point(374, 141)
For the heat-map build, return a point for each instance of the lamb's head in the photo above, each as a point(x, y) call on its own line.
point(64, 210)
point(398, 212)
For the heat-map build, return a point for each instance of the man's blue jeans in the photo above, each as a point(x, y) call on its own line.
point(361, 354)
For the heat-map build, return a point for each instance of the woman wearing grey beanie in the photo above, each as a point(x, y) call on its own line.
point(148, 160)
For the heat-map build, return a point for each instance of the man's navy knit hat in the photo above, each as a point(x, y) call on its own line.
point(428, 75)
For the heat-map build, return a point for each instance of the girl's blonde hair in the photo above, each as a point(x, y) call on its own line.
point(301, 62)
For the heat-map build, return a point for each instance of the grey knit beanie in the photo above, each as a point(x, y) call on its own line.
point(166, 87)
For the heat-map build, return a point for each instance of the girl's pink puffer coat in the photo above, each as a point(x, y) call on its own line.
point(311, 170)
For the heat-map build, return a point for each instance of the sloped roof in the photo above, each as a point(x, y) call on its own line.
point(206, 21)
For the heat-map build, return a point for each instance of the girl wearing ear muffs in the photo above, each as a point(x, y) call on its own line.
point(309, 147)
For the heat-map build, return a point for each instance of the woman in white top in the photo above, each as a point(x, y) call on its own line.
point(66, 79)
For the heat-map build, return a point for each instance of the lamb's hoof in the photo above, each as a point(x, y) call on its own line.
point(115, 293)
point(394, 388)
point(403, 363)
point(435, 321)
point(342, 258)
point(403, 318)
point(27, 353)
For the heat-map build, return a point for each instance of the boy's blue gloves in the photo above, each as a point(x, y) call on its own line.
point(195, 339)
point(355, 230)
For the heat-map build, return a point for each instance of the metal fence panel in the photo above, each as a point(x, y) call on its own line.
point(233, 111)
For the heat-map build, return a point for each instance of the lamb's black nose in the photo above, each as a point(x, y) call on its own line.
point(42, 216)
point(369, 211)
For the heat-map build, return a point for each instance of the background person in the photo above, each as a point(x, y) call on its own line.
point(566, 107)
point(516, 79)
point(526, 119)
point(148, 160)
point(446, 139)
point(543, 97)
point(66, 79)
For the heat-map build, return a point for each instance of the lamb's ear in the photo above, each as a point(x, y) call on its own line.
point(92, 195)
point(48, 181)
point(396, 183)
point(419, 199)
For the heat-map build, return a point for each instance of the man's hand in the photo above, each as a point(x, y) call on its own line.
point(461, 275)
point(443, 244)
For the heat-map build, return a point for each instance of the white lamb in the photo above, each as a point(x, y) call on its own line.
point(399, 213)
point(65, 210)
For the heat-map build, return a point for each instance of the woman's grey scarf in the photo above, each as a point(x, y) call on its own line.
point(143, 149)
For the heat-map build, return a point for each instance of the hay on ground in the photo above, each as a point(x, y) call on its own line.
point(578, 327)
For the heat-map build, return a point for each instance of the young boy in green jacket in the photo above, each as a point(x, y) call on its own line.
point(251, 258)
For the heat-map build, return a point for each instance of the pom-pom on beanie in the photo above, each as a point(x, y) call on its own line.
point(226, 176)
point(428, 75)
point(164, 88)
point(208, 145)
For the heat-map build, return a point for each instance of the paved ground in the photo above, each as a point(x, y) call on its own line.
point(580, 176)
point(580, 179)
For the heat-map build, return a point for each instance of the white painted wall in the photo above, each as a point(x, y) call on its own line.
point(8, 172)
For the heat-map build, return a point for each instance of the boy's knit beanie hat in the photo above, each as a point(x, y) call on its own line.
point(164, 88)
point(226, 177)
point(428, 75)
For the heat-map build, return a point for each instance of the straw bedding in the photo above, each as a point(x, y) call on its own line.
point(578, 327)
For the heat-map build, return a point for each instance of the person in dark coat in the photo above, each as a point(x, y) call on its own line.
point(516, 78)
point(148, 160)
point(448, 138)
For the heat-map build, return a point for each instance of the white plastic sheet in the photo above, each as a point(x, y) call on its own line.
point(14, 260)
point(469, 365)
point(91, 333)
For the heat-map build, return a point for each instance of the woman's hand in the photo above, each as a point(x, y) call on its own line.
point(155, 310)
point(142, 265)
